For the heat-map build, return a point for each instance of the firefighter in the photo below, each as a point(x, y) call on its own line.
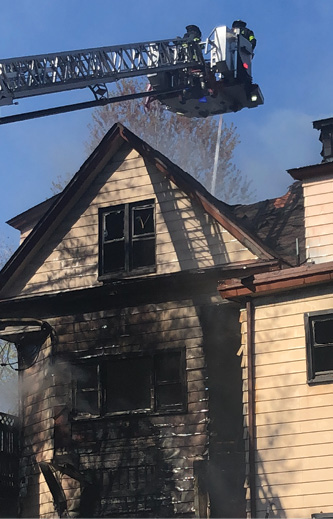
point(245, 31)
point(191, 50)
point(193, 33)
point(243, 73)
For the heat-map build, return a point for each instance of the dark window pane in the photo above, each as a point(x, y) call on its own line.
point(143, 220)
point(87, 376)
point(114, 256)
point(168, 380)
point(87, 397)
point(169, 395)
point(323, 331)
point(128, 384)
point(167, 366)
point(143, 253)
point(323, 358)
point(87, 402)
point(114, 225)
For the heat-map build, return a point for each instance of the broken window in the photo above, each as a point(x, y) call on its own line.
point(168, 380)
point(150, 383)
point(319, 339)
point(128, 385)
point(88, 393)
point(127, 238)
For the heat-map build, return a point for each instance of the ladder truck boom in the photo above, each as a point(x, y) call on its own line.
point(190, 78)
point(57, 72)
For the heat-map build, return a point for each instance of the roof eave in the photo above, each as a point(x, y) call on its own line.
point(278, 281)
point(314, 171)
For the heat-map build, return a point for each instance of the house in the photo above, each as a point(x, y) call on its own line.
point(130, 383)
point(287, 346)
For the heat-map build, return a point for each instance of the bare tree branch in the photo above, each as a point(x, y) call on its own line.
point(190, 143)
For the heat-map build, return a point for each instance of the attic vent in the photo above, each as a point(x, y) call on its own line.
point(326, 137)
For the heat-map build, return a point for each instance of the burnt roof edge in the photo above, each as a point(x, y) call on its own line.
point(278, 281)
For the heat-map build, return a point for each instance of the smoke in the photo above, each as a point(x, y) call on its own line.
point(9, 394)
point(8, 378)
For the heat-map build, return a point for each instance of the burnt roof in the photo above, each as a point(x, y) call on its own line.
point(277, 222)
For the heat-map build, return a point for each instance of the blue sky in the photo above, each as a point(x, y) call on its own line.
point(293, 66)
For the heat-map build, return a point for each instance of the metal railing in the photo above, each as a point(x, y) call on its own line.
point(9, 461)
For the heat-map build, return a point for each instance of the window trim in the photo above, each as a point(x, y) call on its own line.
point(129, 239)
point(312, 377)
point(102, 360)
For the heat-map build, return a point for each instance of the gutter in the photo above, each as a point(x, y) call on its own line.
point(251, 403)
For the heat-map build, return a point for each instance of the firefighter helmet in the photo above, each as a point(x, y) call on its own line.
point(238, 24)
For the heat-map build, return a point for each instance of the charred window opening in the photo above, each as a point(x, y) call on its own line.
point(132, 479)
point(114, 241)
point(319, 335)
point(128, 384)
point(151, 383)
point(127, 238)
point(88, 393)
point(168, 381)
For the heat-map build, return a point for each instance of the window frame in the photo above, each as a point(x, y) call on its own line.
point(309, 319)
point(129, 239)
point(78, 366)
point(154, 409)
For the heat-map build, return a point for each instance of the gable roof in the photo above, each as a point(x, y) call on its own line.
point(110, 144)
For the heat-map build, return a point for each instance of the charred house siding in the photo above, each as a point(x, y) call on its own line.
point(148, 463)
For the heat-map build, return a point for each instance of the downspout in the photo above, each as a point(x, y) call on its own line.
point(251, 403)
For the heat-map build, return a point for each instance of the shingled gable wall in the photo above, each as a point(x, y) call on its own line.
point(186, 237)
point(133, 464)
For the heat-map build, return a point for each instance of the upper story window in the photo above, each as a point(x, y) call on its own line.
point(319, 344)
point(127, 239)
point(148, 383)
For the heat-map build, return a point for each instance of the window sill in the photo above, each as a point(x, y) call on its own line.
point(325, 378)
point(124, 275)
point(127, 414)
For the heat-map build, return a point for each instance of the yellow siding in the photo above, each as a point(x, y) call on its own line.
point(186, 237)
point(24, 235)
point(294, 447)
point(318, 207)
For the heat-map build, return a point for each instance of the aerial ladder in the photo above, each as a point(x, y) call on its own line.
point(190, 78)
